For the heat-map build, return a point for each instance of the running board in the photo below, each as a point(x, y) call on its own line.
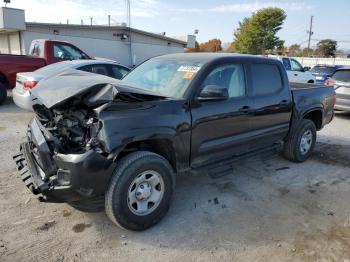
point(224, 167)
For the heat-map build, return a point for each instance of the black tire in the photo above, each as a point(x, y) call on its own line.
point(292, 150)
point(3, 93)
point(89, 205)
point(129, 168)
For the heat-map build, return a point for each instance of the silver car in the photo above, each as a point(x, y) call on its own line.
point(27, 81)
point(341, 82)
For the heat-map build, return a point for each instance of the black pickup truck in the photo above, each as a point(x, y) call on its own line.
point(98, 142)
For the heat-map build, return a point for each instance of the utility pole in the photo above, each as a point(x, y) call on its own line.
point(128, 18)
point(310, 34)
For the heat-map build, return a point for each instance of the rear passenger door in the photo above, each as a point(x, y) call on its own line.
point(292, 77)
point(272, 104)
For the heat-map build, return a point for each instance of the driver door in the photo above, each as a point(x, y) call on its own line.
point(220, 128)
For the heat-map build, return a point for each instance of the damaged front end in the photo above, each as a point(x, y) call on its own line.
point(63, 159)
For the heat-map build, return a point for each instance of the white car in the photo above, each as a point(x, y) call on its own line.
point(295, 71)
point(29, 80)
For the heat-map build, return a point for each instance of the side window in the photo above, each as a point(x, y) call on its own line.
point(35, 50)
point(286, 63)
point(99, 69)
point(296, 66)
point(63, 51)
point(230, 76)
point(86, 68)
point(118, 72)
point(266, 79)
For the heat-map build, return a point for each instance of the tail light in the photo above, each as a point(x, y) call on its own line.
point(329, 82)
point(29, 84)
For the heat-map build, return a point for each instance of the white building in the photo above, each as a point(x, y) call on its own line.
point(128, 46)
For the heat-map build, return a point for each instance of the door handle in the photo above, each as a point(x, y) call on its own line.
point(295, 74)
point(284, 102)
point(245, 109)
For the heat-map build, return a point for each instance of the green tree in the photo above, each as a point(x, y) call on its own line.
point(326, 48)
point(257, 34)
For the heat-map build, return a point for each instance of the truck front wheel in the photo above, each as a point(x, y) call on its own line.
point(140, 190)
point(300, 144)
point(3, 93)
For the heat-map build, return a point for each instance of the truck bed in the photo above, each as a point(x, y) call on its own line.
point(307, 96)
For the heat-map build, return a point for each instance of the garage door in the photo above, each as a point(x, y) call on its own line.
point(10, 43)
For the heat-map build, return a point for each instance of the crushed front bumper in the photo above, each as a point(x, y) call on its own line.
point(61, 177)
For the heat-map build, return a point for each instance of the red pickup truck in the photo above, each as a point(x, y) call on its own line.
point(41, 53)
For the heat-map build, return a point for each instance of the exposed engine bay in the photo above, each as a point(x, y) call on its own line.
point(70, 130)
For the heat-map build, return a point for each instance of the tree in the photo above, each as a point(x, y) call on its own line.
point(231, 48)
point(195, 49)
point(294, 50)
point(257, 34)
point(326, 48)
point(213, 45)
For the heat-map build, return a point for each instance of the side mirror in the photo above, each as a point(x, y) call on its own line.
point(306, 68)
point(213, 93)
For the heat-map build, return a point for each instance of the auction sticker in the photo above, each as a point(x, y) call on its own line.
point(189, 69)
point(188, 75)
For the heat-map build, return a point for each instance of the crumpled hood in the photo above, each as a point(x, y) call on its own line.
point(57, 90)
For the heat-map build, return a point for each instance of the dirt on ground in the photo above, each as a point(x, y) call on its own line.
point(267, 209)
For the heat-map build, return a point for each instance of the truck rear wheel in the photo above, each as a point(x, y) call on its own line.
point(140, 191)
point(300, 144)
point(3, 93)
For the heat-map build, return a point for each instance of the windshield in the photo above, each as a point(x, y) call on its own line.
point(167, 77)
point(53, 68)
point(325, 70)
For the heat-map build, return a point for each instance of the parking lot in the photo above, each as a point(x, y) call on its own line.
point(268, 209)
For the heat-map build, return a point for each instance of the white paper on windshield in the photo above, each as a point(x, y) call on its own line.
point(189, 69)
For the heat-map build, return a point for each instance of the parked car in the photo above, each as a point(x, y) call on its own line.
point(97, 141)
point(295, 71)
point(323, 72)
point(341, 82)
point(25, 82)
point(41, 53)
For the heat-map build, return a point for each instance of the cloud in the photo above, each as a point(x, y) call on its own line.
point(248, 7)
point(251, 7)
point(61, 10)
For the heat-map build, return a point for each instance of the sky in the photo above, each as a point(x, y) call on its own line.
point(213, 19)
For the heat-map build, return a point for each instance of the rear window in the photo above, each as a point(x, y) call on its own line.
point(286, 63)
point(327, 70)
point(342, 75)
point(37, 48)
point(266, 79)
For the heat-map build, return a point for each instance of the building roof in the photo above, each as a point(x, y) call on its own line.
point(106, 27)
